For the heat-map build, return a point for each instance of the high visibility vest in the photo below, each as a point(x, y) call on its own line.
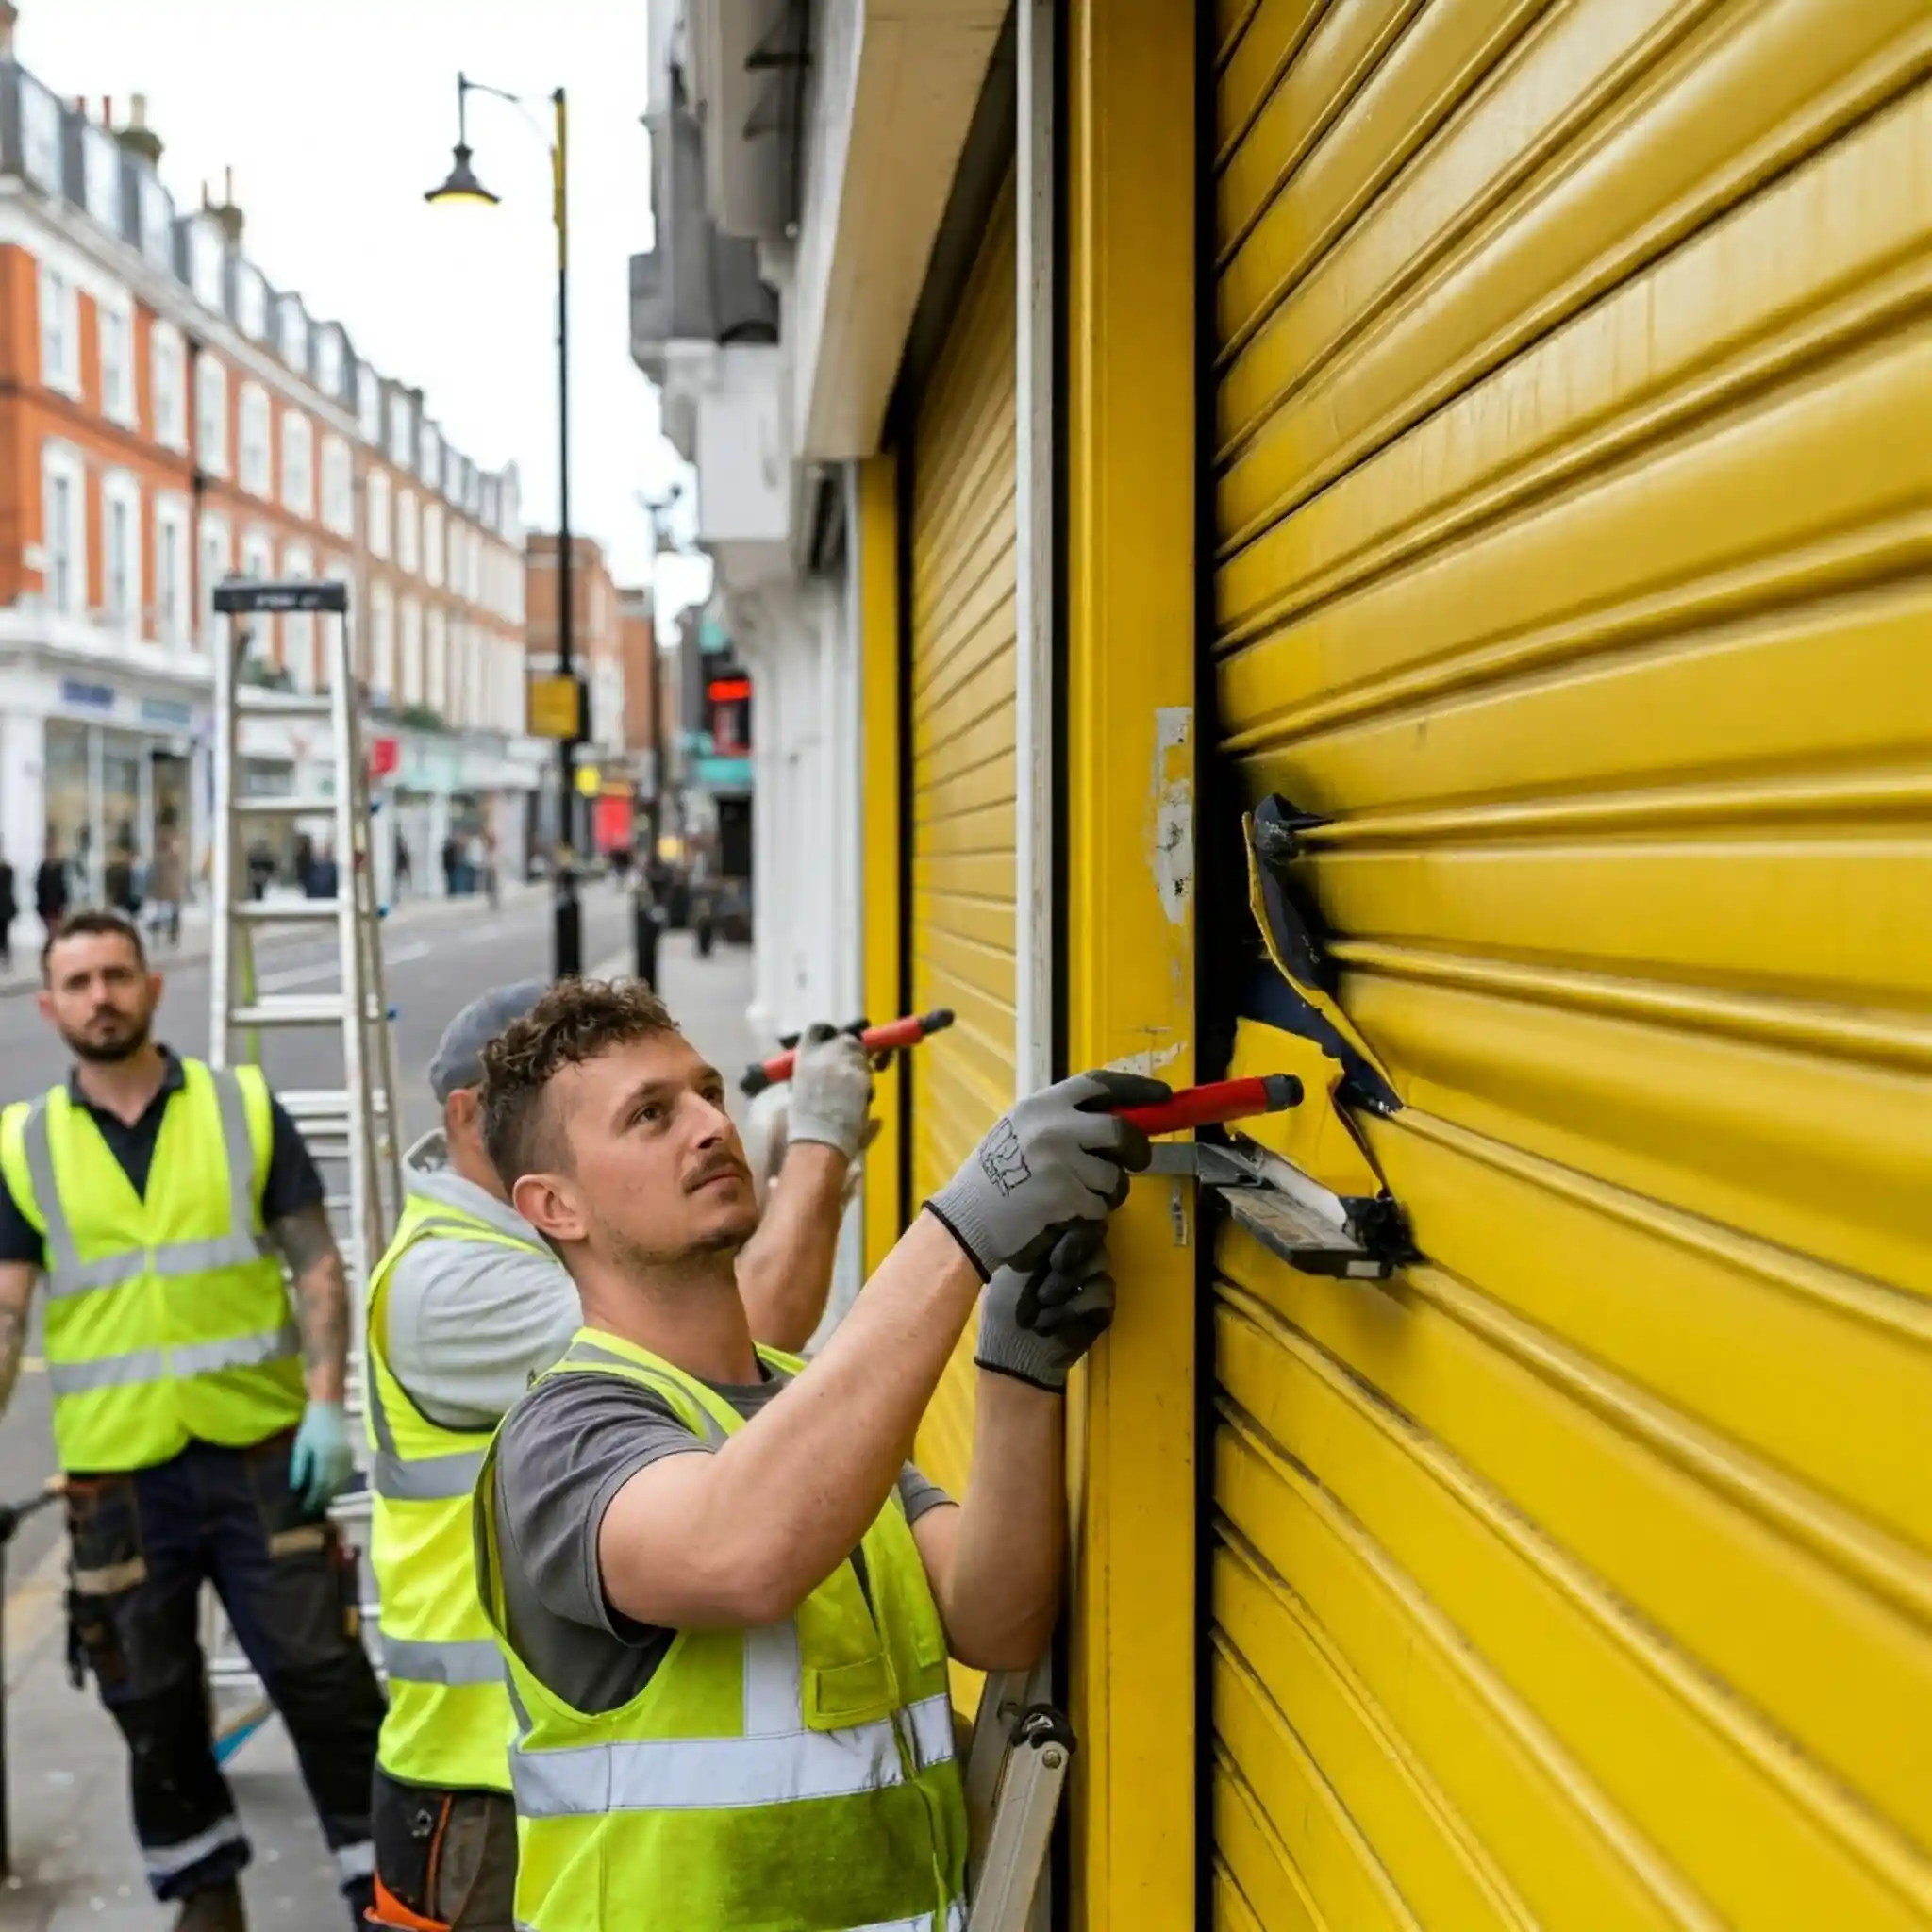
point(168, 1316)
point(799, 1775)
point(449, 1718)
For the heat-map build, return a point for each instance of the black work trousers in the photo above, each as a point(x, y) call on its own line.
point(142, 1546)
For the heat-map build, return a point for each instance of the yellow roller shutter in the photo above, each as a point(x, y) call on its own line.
point(963, 806)
point(1572, 482)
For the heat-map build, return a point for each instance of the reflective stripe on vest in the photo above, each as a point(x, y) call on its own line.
point(147, 1289)
point(816, 1754)
point(449, 1722)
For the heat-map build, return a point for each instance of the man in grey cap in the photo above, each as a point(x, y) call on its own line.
point(468, 1305)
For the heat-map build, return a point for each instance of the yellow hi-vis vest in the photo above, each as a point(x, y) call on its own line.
point(168, 1318)
point(449, 1720)
point(797, 1776)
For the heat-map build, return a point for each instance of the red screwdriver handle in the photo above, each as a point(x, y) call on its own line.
point(893, 1035)
point(1216, 1104)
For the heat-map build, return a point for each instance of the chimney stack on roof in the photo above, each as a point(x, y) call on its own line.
point(227, 216)
point(8, 14)
point(138, 137)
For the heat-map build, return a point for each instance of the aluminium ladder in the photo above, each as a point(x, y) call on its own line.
point(351, 1131)
point(1023, 1746)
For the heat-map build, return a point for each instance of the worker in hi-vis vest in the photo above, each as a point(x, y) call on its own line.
point(198, 1418)
point(468, 1305)
point(726, 1598)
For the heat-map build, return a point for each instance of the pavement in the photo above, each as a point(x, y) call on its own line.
point(74, 1858)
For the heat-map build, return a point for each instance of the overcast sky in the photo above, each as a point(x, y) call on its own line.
point(336, 115)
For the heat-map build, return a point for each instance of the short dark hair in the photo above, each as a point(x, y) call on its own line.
point(92, 919)
point(577, 1020)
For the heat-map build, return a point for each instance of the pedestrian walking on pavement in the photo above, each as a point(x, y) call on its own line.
point(468, 1305)
point(10, 911)
point(167, 886)
point(402, 867)
point(50, 886)
point(201, 1429)
point(727, 1608)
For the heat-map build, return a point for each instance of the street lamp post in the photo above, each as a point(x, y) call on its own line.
point(463, 185)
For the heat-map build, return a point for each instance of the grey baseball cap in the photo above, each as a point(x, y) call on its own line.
point(458, 1058)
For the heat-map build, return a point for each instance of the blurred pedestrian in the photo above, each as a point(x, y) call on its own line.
point(10, 911)
point(492, 883)
point(402, 867)
point(452, 857)
point(261, 868)
point(167, 885)
point(117, 879)
point(324, 876)
point(50, 886)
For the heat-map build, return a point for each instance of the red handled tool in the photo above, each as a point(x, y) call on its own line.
point(1216, 1104)
point(876, 1040)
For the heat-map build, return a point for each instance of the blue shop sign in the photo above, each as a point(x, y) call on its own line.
point(93, 698)
point(723, 775)
point(167, 712)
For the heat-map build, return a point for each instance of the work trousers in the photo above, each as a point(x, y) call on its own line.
point(142, 1546)
point(444, 1858)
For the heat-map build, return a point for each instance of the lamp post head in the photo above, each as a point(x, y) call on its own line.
point(462, 184)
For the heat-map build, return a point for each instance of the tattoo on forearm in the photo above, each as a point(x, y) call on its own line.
point(322, 1291)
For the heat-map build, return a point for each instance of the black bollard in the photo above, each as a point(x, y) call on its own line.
point(644, 929)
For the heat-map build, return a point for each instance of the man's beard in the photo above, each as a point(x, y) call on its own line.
point(109, 1051)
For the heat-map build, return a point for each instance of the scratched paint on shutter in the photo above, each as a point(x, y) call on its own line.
point(1573, 565)
point(962, 682)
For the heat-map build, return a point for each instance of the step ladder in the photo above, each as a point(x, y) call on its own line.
point(353, 1130)
point(1022, 1747)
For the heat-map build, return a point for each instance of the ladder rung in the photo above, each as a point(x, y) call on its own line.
point(289, 804)
point(298, 1010)
point(307, 1103)
point(260, 704)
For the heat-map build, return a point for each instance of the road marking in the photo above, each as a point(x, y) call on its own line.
point(329, 969)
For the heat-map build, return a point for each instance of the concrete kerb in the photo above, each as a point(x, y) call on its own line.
point(194, 949)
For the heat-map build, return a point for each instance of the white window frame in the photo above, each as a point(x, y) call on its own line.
point(251, 301)
point(60, 330)
point(338, 486)
point(291, 333)
point(61, 461)
point(171, 626)
point(409, 630)
point(328, 361)
point(206, 249)
point(335, 570)
point(435, 552)
point(214, 559)
point(122, 613)
point(436, 661)
point(168, 384)
point(298, 464)
point(40, 133)
point(212, 384)
point(402, 431)
point(254, 444)
point(156, 222)
point(382, 641)
point(258, 562)
point(408, 533)
point(377, 512)
point(298, 626)
point(120, 404)
point(369, 403)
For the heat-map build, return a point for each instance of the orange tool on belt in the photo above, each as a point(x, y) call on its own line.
point(876, 1040)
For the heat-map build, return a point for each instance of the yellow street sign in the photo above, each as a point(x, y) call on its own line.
point(554, 707)
point(590, 780)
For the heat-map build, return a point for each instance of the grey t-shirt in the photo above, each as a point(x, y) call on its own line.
point(565, 1451)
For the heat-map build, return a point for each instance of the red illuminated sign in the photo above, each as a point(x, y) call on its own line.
point(729, 691)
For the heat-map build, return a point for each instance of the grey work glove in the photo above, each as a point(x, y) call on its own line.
point(1034, 1323)
point(1060, 1156)
point(831, 1091)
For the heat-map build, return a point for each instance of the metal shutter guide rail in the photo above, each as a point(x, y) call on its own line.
point(1293, 1216)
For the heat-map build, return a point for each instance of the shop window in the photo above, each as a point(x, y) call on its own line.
point(116, 329)
point(60, 331)
point(211, 417)
point(63, 777)
point(63, 531)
